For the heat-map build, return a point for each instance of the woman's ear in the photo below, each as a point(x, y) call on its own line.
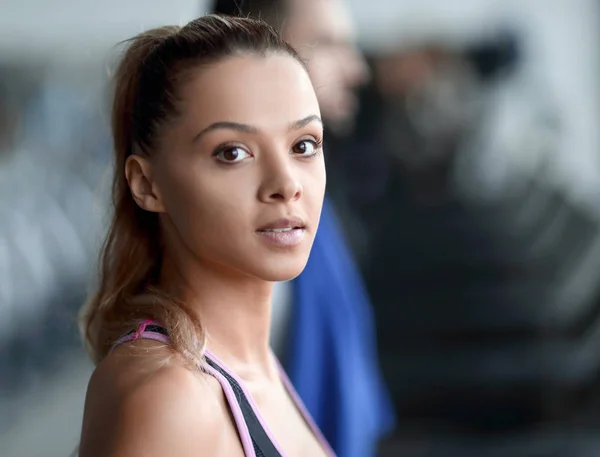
point(138, 171)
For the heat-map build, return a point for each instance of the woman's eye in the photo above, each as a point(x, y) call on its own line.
point(232, 154)
point(305, 148)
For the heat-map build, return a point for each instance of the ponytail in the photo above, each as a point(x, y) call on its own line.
point(130, 258)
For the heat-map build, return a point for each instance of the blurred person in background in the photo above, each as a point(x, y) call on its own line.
point(322, 327)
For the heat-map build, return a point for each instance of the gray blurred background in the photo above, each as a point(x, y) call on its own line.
point(470, 191)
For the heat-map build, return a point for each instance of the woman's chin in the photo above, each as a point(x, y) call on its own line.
point(282, 270)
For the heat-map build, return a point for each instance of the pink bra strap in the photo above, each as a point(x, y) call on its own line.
point(238, 417)
point(142, 333)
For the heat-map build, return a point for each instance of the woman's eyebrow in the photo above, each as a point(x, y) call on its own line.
point(246, 128)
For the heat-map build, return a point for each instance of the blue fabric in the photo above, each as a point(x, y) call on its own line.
point(332, 358)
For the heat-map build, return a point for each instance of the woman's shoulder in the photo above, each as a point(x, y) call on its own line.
point(144, 399)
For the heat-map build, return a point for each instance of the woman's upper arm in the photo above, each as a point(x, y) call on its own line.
point(167, 414)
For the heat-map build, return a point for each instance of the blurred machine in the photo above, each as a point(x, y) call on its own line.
point(482, 261)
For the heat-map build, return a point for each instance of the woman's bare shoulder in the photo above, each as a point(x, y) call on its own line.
point(144, 400)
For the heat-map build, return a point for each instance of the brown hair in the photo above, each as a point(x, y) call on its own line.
point(145, 98)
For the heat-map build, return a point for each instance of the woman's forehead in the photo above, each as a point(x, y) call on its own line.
point(250, 89)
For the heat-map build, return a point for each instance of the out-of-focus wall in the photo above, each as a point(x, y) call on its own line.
point(80, 30)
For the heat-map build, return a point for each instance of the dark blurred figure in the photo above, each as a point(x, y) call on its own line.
point(322, 328)
point(323, 32)
point(482, 265)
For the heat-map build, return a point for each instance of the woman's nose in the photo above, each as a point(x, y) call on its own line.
point(280, 183)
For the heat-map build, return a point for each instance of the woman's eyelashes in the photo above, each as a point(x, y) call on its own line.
point(231, 154)
point(234, 153)
point(307, 147)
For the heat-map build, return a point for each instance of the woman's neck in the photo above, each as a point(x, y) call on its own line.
point(234, 309)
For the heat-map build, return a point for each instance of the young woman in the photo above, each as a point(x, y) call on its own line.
point(218, 187)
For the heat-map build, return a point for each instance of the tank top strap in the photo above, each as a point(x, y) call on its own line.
point(254, 438)
point(263, 443)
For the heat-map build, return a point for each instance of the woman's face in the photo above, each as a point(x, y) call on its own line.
point(240, 175)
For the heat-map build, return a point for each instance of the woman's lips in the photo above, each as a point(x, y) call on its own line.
point(283, 237)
